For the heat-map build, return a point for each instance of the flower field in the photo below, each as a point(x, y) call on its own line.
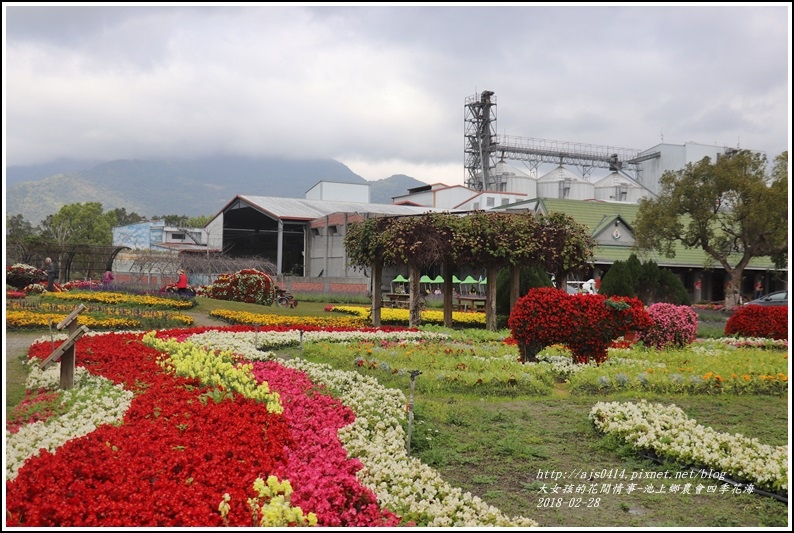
point(303, 421)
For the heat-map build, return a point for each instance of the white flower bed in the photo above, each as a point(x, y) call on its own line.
point(670, 433)
point(96, 400)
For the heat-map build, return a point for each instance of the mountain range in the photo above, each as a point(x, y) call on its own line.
point(190, 187)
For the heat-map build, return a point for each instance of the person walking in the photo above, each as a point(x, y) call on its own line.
point(107, 277)
point(49, 267)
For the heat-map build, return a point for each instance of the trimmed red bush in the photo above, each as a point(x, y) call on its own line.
point(758, 321)
point(585, 323)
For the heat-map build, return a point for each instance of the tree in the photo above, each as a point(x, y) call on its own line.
point(645, 281)
point(80, 224)
point(177, 221)
point(530, 277)
point(487, 239)
point(199, 221)
point(732, 209)
point(125, 219)
point(19, 229)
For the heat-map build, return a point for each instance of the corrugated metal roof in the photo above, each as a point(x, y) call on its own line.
point(301, 209)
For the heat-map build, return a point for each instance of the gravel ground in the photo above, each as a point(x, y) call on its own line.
point(18, 342)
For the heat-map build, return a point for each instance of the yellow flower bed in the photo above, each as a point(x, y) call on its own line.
point(26, 319)
point(401, 316)
point(255, 319)
point(115, 298)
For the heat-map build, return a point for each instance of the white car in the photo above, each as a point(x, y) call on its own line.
point(579, 287)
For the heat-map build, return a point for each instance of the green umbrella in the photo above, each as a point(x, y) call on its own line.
point(484, 281)
point(469, 279)
point(439, 279)
point(455, 279)
point(425, 279)
point(399, 279)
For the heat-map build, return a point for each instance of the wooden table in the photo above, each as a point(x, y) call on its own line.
point(393, 299)
point(473, 302)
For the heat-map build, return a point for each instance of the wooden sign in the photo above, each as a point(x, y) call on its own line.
point(72, 316)
point(79, 332)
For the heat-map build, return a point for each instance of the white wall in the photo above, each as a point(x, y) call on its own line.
point(339, 192)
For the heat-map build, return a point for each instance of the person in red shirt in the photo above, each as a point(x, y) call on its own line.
point(181, 284)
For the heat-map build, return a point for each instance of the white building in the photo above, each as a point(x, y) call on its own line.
point(564, 184)
point(616, 187)
point(674, 157)
point(339, 192)
point(155, 235)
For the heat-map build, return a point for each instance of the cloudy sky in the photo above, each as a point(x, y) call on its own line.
point(382, 88)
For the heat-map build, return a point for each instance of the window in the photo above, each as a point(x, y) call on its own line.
point(489, 202)
point(333, 230)
point(505, 201)
point(316, 231)
point(476, 206)
point(178, 236)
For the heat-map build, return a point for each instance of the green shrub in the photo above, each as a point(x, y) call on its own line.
point(645, 281)
point(529, 278)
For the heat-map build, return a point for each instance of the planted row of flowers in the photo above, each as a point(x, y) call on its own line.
point(120, 298)
point(28, 319)
point(203, 459)
point(31, 317)
point(401, 316)
point(710, 367)
point(266, 320)
point(164, 408)
point(183, 446)
point(669, 433)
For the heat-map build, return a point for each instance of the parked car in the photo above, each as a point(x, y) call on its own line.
point(773, 298)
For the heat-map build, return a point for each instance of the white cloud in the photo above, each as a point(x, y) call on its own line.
point(382, 89)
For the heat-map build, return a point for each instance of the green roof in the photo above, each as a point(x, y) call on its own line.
point(597, 215)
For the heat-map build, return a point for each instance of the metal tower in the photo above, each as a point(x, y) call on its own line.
point(483, 145)
point(480, 132)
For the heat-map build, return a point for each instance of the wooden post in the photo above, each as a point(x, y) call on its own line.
point(66, 350)
point(67, 360)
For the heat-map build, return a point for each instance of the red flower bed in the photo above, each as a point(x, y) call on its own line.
point(177, 452)
point(585, 323)
point(758, 321)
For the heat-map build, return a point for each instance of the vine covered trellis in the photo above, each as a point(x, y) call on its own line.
point(492, 240)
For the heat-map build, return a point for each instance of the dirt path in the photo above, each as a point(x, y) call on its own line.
point(18, 342)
